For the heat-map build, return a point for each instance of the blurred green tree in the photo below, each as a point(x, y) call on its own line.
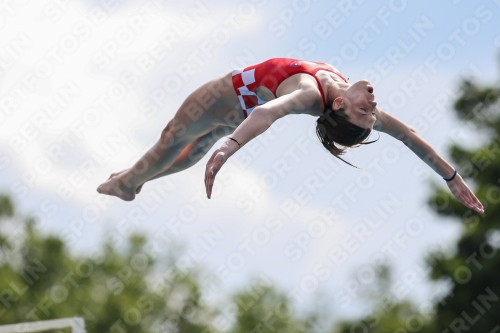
point(473, 303)
point(387, 314)
point(123, 291)
point(113, 291)
point(263, 309)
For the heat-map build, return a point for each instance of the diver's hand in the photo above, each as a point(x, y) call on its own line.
point(214, 164)
point(463, 193)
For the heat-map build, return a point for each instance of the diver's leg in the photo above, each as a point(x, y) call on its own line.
point(190, 122)
point(191, 154)
point(196, 150)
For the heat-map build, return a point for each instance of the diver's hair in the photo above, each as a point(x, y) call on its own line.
point(337, 134)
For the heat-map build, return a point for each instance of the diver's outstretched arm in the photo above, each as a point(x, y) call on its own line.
point(259, 120)
point(410, 137)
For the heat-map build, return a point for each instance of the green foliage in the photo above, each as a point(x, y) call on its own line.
point(263, 309)
point(401, 317)
point(473, 301)
point(388, 315)
point(114, 292)
point(6, 206)
point(124, 291)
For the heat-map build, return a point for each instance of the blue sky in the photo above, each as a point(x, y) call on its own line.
point(96, 50)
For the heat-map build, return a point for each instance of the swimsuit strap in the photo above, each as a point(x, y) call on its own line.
point(321, 91)
point(319, 84)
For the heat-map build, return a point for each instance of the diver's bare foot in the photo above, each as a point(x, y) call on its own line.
point(114, 186)
point(114, 174)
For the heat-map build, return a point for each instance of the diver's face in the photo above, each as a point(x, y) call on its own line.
point(359, 104)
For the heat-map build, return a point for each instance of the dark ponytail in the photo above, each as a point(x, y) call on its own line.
point(337, 134)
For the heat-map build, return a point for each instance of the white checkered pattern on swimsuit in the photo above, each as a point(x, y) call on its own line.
point(245, 85)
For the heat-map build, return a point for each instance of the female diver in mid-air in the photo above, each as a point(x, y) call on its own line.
point(245, 102)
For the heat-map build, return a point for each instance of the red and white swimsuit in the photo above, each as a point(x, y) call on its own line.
point(270, 74)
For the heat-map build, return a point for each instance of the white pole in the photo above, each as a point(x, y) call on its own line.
point(77, 326)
